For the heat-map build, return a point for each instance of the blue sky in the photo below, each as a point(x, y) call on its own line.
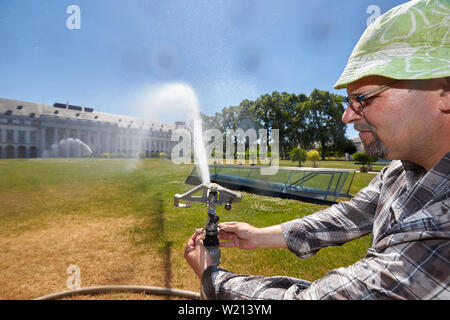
point(226, 50)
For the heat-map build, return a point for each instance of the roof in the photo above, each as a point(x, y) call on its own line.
point(36, 110)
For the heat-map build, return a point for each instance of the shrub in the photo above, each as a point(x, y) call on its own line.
point(364, 159)
point(142, 155)
point(299, 155)
point(314, 156)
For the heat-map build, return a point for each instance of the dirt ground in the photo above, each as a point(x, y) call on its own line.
point(34, 263)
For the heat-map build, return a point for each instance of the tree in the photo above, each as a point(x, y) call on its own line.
point(361, 157)
point(293, 124)
point(299, 155)
point(347, 146)
point(306, 122)
point(324, 111)
point(314, 156)
point(364, 159)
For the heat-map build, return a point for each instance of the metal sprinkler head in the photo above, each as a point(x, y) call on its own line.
point(213, 195)
point(225, 196)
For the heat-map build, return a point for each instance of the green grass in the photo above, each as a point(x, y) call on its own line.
point(34, 193)
point(339, 164)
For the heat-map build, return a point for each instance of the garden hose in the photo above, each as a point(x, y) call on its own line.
point(123, 288)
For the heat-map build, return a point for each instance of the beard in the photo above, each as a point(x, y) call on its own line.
point(376, 148)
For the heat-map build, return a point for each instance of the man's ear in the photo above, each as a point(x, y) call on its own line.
point(444, 101)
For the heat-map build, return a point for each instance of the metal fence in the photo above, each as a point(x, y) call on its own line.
point(314, 184)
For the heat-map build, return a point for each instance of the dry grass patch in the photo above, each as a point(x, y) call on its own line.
point(34, 263)
point(120, 296)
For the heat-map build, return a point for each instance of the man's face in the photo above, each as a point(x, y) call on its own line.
point(393, 123)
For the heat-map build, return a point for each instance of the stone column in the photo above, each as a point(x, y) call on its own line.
point(97, 143)
point(56, 141)
point(78, 145)
point(115, 143)
point(42, 143)
point(108, 142)
point(67, 136)
point(112, 142)
point(27, 143)
point(88, 142)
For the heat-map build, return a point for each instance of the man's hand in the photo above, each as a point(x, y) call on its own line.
point(196, 254)
point(238, 234)
point(244, 236)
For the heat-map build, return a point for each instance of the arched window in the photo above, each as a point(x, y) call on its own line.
point(33, 152)
point(22, 152)
point(9, 152)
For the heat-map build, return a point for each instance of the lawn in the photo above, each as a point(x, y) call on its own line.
point(339, 164)
point(115, 220)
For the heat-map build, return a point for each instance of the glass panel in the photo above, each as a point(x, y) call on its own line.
point(321, 184)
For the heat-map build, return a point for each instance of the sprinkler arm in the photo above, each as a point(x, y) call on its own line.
point(212, 195)
point(225, 196)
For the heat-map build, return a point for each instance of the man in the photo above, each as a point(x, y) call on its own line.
point(398, 84)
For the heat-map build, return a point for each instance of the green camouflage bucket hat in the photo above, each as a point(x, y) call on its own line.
point(411, 41)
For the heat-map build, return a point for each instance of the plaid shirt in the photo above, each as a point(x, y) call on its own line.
point(406, 209)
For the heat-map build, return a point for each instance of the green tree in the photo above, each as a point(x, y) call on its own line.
point(298, 155)
point(363, 158)
point(348, 147)
point(301, 120)
point(324, 126)
point(282, 111)
point(297, 125)
point(291, 121)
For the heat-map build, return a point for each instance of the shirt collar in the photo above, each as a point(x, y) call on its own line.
point(414, 171)
point(412, 166)
point(441, 166)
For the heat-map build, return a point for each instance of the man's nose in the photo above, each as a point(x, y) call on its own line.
point(350, 115)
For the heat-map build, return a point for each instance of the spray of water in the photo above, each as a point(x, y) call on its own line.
point(180, 99)
point(71, 142)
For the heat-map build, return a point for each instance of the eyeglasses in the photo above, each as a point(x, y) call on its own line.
point(349, 100)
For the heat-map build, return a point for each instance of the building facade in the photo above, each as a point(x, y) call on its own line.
point(358, 144)
point(32, 130)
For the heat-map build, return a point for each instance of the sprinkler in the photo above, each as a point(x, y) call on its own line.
point(213, 195)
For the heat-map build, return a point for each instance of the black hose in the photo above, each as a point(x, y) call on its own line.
point(123, 288)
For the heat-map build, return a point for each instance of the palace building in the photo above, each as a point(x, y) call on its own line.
point(33, 130)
